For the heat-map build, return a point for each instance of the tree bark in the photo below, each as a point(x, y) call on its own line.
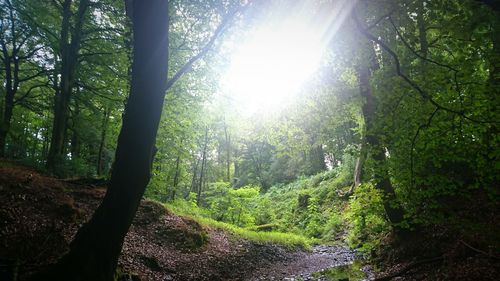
point(96, 247)
point(69, 61)
point(377, 151)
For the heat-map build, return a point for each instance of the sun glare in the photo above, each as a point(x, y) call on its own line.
point(273, 63)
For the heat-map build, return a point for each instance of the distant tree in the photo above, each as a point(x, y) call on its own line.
point(69, 48)
point(22, 76)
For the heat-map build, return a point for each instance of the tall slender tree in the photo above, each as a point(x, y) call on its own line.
point(69, 46)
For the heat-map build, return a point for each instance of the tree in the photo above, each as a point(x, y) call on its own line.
point(18, 49)
point(97, 245)
point(69, 46)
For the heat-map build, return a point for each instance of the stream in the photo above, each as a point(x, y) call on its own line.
point(323, 263)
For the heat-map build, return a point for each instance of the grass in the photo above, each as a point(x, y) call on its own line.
point(288, 240)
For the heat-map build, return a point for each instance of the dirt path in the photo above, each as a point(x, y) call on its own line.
point(302, 265)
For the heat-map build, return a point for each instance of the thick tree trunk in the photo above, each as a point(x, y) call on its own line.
point(96, 247)
point(376, 149)
point(69, 61)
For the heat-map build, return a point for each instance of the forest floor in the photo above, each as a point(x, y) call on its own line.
point(39, 215)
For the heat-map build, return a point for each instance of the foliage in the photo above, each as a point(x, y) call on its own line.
point(181, 207)
point(431, 132)
point(366, 218)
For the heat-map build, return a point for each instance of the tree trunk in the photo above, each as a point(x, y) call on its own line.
point(176, 177)
point(11, 82)
point(102, 142)
point(195, 175)
point(236, 165)
point(203, 167)
point(69, 61)
point(377, 151)
point(358, 168)
point(75, 139)
point(96, 247)
point(7, 117)
point(228, 153)
point(422, 32)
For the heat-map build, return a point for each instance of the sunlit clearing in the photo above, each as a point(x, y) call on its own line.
point(272, 64)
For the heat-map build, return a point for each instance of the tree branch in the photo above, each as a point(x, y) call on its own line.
point(40, 72)
point(218, 31)
point(426, 96)
point(414, 141)
point(20, 99)
point(415, 52)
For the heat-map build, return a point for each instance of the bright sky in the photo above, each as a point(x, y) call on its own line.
point(269, 67)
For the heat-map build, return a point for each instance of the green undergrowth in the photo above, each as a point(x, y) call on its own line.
point(288, 240)
point(306, 211)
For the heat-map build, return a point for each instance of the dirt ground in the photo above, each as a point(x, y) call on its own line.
point(39, 215)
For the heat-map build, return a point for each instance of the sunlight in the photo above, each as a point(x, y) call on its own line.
point(273, 63)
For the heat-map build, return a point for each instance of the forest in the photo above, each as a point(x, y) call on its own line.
point(249, 140)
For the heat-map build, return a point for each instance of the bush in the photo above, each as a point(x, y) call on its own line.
point(366, 217)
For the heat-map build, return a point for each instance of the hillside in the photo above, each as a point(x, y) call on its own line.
point(39, 215)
